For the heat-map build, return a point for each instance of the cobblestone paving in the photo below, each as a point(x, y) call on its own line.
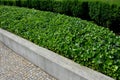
point(15, 67)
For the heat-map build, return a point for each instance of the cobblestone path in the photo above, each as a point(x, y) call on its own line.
point(15, 67)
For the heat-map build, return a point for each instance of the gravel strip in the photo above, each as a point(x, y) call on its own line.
point(15, 67)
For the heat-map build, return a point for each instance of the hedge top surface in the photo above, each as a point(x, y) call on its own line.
point(79, 40)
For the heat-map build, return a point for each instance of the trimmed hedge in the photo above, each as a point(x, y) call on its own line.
point(104, 13)
point(81, 41)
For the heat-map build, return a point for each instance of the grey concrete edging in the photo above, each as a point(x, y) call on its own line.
point(59, 67)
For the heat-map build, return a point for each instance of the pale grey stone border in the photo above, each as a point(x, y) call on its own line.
point(59, 67)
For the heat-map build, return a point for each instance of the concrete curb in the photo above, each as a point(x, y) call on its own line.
point(59, 67)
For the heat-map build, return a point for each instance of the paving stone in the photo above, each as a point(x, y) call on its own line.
point(15, 67)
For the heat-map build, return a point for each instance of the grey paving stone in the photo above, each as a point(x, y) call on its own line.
point(15, 67)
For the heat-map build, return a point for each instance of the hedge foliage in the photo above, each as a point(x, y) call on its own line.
point(102, 12)
point(105, 14)
point(81, 41)
point(68, 7)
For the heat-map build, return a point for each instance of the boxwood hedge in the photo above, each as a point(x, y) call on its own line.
point(81, 41)
point(103, 12)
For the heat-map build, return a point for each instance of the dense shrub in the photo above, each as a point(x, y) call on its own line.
point(70, 7)
point(81, 41)
point(101, 12)
point(76, 8)
point(105, 14)
point(8, 2)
